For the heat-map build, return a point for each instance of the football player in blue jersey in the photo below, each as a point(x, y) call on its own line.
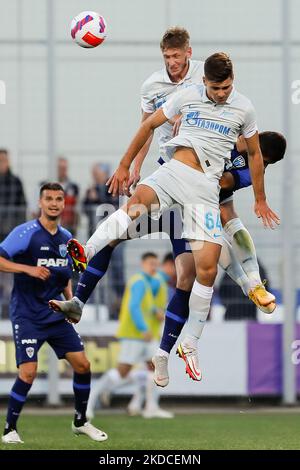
point(36, 253)
point(237, 176)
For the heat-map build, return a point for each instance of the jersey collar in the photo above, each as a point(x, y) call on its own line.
point(47, 231)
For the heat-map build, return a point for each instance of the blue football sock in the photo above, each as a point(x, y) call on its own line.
point(176, 316)
point(95, 270)
point(16, 402)
point(81, 387)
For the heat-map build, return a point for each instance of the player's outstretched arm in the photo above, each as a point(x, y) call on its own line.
point(256, 166)
point(40, 272)
point(118, 183)
point(135, 173)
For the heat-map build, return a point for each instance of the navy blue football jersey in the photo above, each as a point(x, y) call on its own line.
point(239, 167)
point(32, 244)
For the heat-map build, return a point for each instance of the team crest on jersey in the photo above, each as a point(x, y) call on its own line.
point(239, 162)
point(63, 250)
point(30, 352)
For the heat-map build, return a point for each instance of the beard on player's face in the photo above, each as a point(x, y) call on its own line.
point(52, 217)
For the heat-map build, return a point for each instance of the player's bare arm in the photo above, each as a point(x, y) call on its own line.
point(118, 183)
point(256, 167)
point(67, 292)
point(40, 272)
point(135, 174)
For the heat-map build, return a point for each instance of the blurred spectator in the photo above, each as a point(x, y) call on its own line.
point(12, 198)
point(69, 217)
point(238, 306)
point(12, 213)
point(168, 271)
point(96, 195)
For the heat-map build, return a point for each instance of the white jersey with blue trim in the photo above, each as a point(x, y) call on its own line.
point(158, 88)
point(211, 129)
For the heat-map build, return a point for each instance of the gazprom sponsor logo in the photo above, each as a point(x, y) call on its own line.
point(158, 104)
point(52, 263)
point(193, 119)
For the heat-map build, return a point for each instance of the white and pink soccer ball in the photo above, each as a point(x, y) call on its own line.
point(88, 29)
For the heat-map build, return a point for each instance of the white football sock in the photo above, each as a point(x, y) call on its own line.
point(161, 352)
point(244, 249)
point(78, 301)
point(199, 305)
point(113, 228)
point(229, 262)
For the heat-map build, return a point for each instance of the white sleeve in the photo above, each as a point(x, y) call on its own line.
point(174, 104)
point(249, 127)
point(147, 104)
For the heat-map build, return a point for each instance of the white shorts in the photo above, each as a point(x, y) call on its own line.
point(134, 351)
point(198, 195)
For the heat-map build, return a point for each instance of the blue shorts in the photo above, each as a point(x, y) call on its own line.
point(29, 337)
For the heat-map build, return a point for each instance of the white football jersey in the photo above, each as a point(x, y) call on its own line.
point(158, 88)
point(209, 128)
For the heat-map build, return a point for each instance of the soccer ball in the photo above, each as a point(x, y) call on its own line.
point(88, 29)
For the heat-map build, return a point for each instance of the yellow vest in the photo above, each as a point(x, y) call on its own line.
point(149, 305)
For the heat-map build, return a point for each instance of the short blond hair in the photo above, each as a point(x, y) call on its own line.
point(175, 37)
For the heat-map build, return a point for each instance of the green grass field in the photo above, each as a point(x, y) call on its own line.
point(202, 431)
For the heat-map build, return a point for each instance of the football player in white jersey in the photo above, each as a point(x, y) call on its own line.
point(214, 114)
point(179, 72)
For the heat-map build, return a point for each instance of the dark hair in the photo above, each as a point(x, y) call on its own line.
point(218, 67)
point(168, 257)
point(273, 146)
point(51, 187)
point(4, 151)
point(148, 254)
point(175, 38)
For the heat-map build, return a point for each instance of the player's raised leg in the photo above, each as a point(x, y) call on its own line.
point(245, 252)
point(141, 202)
point(95, 271)
point(229, 262)
point(114, 227)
